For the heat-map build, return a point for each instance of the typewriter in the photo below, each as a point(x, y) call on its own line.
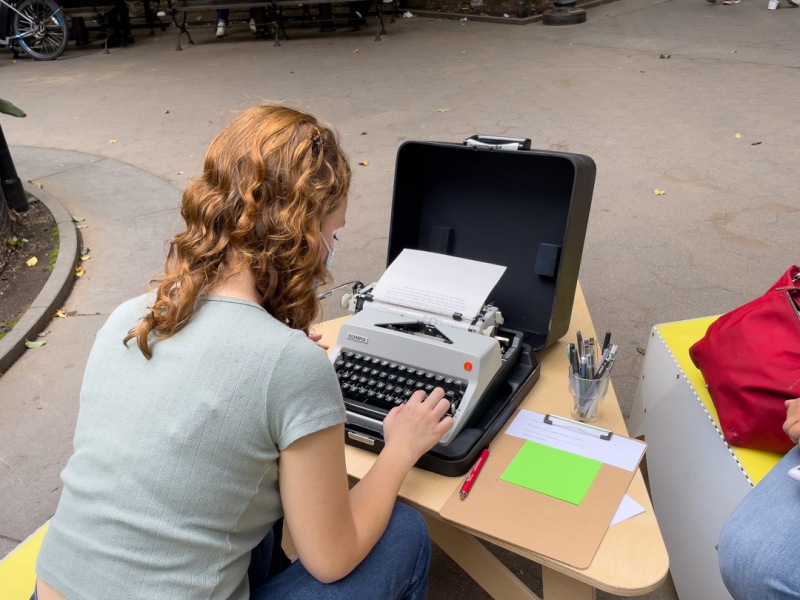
point(490, 199)
point(388, 350)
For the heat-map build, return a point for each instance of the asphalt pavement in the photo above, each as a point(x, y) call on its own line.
point(694, 99)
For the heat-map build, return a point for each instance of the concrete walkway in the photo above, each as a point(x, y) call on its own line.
point(654, 91)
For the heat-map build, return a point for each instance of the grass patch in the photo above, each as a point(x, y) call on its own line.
point(6, 328)
point(54, 254)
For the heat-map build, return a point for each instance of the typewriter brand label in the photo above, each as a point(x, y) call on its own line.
point(361, 339)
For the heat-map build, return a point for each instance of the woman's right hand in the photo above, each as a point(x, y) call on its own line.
point(413, 428)
point(792, 423)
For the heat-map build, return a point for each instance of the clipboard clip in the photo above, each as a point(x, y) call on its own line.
point(605, 434)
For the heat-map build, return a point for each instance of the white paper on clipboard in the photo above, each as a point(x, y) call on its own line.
point(572, 436)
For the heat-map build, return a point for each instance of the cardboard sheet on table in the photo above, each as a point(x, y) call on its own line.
point(557, 529)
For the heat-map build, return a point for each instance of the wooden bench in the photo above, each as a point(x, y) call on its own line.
point(78, 14)
point(18, 568)
point(696, 478)
point(279, 13)
point(79, 11)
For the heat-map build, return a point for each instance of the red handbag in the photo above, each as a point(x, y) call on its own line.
point(750, 359)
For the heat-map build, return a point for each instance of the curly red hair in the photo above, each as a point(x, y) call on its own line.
point(269, 180)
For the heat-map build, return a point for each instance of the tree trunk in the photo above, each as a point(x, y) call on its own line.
point(6, 231)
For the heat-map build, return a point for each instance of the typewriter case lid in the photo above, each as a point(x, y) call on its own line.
point(496, 201)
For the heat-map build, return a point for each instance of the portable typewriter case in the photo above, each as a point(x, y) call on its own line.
point(494, 200)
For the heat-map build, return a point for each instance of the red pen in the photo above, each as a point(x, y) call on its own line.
point(474, 474)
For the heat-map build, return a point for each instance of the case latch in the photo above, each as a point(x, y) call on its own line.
point(498, 142)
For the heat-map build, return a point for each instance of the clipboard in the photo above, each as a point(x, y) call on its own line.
point(559, 530)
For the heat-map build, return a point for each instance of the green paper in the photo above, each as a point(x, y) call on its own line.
point(551, 471)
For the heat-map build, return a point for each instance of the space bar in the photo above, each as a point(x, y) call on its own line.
point(373, 412)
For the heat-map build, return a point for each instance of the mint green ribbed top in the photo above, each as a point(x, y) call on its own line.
point(174, 475)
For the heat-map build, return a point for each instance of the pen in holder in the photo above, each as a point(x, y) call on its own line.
point(589, 372)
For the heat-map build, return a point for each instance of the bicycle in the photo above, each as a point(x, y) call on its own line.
point(38, 27)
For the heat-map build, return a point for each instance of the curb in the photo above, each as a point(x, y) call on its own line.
point(432, 14)
point(55, 290)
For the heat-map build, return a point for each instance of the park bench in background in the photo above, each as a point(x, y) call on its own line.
point(279, 13)
point(108, 22)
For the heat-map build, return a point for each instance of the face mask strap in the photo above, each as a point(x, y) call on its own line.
point(330, 248)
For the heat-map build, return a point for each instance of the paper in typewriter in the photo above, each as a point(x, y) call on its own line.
point(437, 283)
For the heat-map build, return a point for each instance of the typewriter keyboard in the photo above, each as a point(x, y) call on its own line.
point(372, 386)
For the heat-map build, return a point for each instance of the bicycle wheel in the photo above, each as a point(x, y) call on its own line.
point(40, 28)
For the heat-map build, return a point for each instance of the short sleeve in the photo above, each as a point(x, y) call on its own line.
point(303, 395)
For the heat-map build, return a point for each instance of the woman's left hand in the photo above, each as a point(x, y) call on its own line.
point(792, 423)
point(317, 339)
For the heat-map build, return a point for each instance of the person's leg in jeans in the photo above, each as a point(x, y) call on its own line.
point(358, 13)
point(222, 21)
point(326, 18)
point(397, 567)
point(760, 542)
point(267, 559)
point(258, 20)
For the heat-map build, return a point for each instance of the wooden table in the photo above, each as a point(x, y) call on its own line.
point(632, 559)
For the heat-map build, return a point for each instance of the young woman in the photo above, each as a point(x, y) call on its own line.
point(758, 543)
point(207, 414)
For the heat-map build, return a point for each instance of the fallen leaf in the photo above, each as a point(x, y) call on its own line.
point(659, 192)
point(112, 141)
point(640, 350)
point(60, 314)
point(364, 163)
point(43, 333)
point(40, 185)
point(363, 133)
point(444, 110)
point(9, 109)
point(78, 219)
point(356, 51)
point(79, 272)
point(31, 261)
point(665, 56)
point(86, 257)
point(81, 226)
point(36, 344)
point(755, 143)
point(738, 136)
point(85, 251)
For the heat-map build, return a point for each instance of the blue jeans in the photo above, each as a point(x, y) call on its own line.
point(759, 544)
point(396, 568)
point(259, 15)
